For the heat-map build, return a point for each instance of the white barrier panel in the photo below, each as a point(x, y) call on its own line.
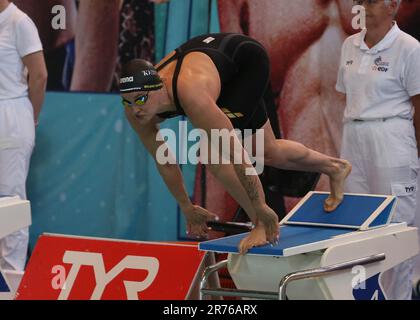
point(15, 214)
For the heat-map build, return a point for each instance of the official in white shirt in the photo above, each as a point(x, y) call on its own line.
point(23, 78)
point(380, 75)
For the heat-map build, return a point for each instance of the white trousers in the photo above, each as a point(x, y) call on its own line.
point(17, 139)
point(385, 161)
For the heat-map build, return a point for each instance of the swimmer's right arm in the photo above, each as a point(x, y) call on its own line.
point(196, 216)
point(171, 173)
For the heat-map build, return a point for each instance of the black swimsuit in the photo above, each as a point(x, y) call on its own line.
point(244, 71)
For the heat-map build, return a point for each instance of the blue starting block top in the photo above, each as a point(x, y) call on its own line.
point(357, 212)
point(290, 236)
point(308, 223)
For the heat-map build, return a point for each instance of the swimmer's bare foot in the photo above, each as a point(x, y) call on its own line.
point(266, 230)
point(337, 178)
point(255, 238)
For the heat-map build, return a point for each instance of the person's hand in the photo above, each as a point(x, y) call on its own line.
point(270, 221)
point(197, 218)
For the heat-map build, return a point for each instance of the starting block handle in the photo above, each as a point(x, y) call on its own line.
point(305, 274)
point(230, 227)
point(320, 272)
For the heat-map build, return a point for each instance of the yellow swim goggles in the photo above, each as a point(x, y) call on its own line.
point(140, 101)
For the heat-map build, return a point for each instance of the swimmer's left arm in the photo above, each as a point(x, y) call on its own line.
point(203, 112)
point(416, 103)
point(206, 115)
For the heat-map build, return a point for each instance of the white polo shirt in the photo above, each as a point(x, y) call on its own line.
point(18, 38)
point(379, 82)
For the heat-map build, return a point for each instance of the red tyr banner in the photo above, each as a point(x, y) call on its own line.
point(78, 268)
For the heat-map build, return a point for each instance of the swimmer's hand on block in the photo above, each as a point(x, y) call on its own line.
point(337, 178)
point(196, 219)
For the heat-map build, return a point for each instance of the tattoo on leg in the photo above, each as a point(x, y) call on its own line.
point(248, 182)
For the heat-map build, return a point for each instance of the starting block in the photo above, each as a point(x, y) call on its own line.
point(15, 214)
point(339, 255)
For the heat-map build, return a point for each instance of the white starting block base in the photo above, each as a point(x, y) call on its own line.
point(312, 239)
point(15, 214)
point(263, 273)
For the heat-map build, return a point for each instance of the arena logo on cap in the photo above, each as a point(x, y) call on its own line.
point(127, 79)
